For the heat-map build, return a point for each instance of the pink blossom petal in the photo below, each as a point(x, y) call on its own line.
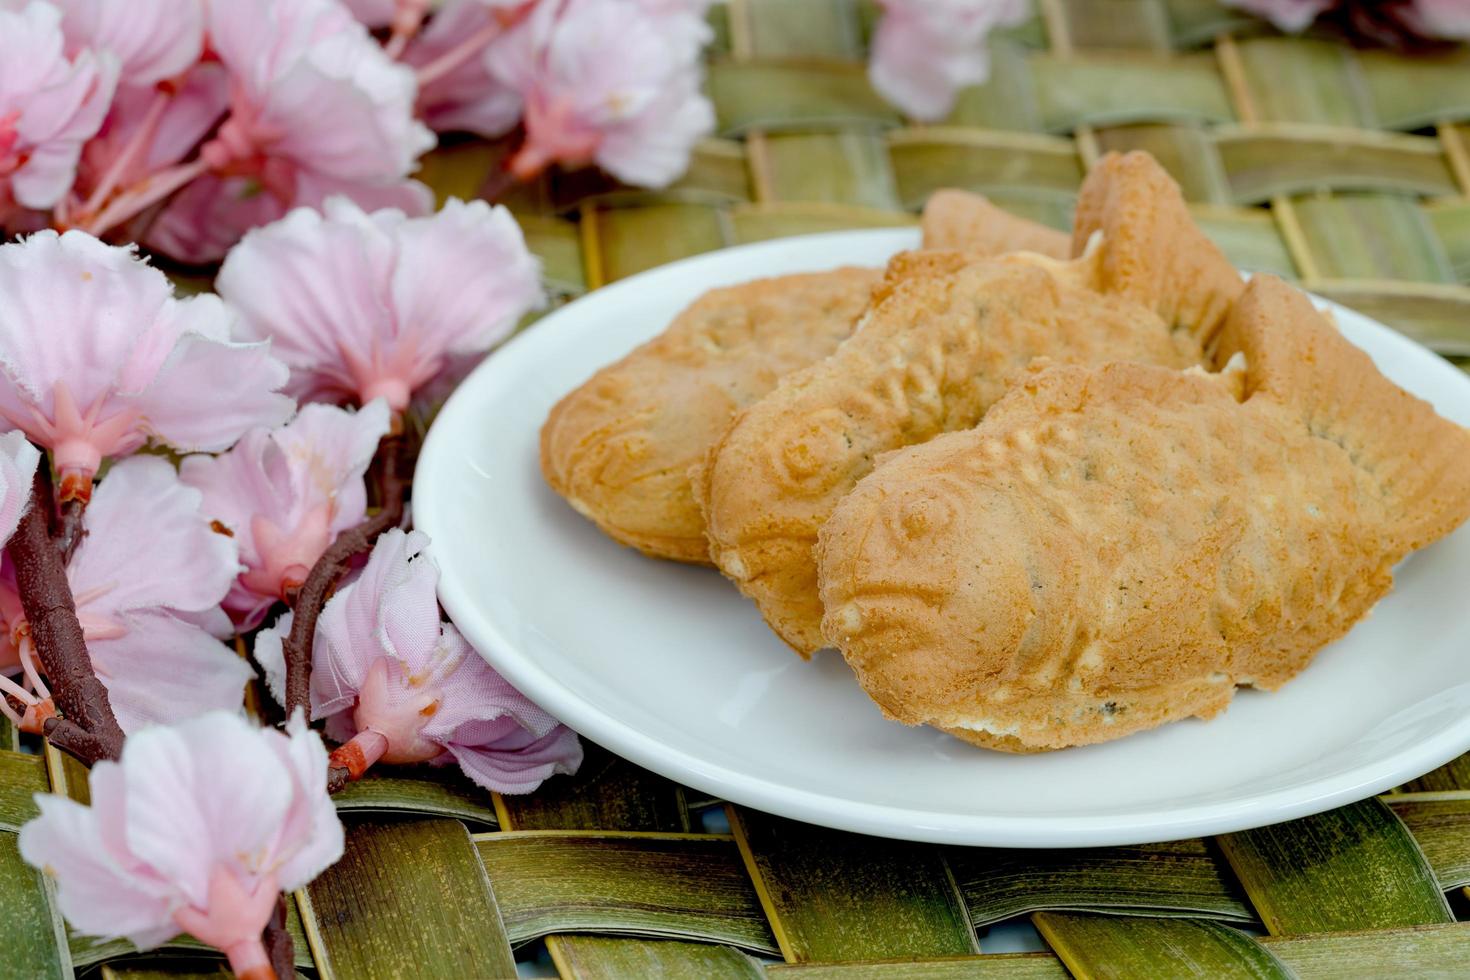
point(98, 896)
point(18, 459)
point(96, 355)
point(583, 94)
point(153, 40)
point(317, 824)
point(202, 800)
point(197, 826)
point(1292, 16)
point(468, 99)
point(507, 759)
point(459, 244)
point(288, 480)
point(373, 13)
point(162, 670)
point(149, 546)
point(49, 104)
point(1449, 19)
point(924, 51)
point(366, 305)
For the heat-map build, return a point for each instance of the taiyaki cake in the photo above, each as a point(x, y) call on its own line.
point(619, 448)
point(955, 219)
point(1121, 545)
point(945, 334)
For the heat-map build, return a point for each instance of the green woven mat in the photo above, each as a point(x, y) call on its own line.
point(1346, 170)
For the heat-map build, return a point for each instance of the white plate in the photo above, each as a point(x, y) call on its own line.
point(667, 665)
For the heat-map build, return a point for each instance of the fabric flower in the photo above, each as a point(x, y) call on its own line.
point(96, 356)
point(1449, 19)
point(925, 51)
point(311, 91)
point(153, 40)
point(364, 306)
point(147, 579)
point(198, 828)
point(285, 494)
point(389, 674)
point(633, 107)
point(49, 106)
point(1291, 16)
point(18, 459)
point(467, 98)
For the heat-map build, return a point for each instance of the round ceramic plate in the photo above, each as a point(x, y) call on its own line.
point(668, 665)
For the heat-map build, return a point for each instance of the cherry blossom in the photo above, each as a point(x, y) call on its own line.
point(147, 580)
point(924, 51)
point(1288, 15)
point(364, 306)
point(1448, 19)
point(397, 684)
point(312, 91)
point(97, 356)
point(49, 106)
point(198, 828)
point(285, 494)
point(464, 96)
point(153, 40)
point(633, 107)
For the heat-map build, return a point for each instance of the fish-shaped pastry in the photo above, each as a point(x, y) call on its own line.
point(945, 334)
point(955, 219)
point(1118, 546)
point(619, 447)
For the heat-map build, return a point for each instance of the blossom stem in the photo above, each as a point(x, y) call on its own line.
point(356, 756)
point(71, 529)
point(137, 144)
point(324, 574)
point(46, 599)
point(249, 961)
point(144, 194)
point(407, 20)
point(462, 52)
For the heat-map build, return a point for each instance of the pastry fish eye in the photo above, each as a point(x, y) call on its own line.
point(921, 515)
point(810, 458)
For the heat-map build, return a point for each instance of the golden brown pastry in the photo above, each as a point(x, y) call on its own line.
point(1119, 546)
point(1153, 251)
point(956, 219)
point(619, 448)
point(933, 353)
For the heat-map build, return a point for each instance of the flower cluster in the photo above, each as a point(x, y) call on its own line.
point(925, 51)
point(182, 124)
point(354, 313)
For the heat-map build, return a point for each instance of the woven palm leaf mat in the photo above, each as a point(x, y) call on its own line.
point(1346, 170)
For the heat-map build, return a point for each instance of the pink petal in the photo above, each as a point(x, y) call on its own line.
point(208, 791)
point(272, 660)
point(210, 391)
point(153, 40)
point(97, 896)
point(458, 245)
point(925, 51)
point(508, 759)
point(1292, 16)
point(163, 670)
point(148, 545)
point(469, 98)
point(18, 459)
point(1442, 18)
point(312, 836)
point(61, 103)
point(373, 13)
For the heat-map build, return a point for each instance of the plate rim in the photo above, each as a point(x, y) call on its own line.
point(881, 820)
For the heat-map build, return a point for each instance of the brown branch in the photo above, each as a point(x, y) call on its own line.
point(278, 944)
point(72, 739)
point(70, 529)
point(45, 595)
point(323, 577)
point(337, 778)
